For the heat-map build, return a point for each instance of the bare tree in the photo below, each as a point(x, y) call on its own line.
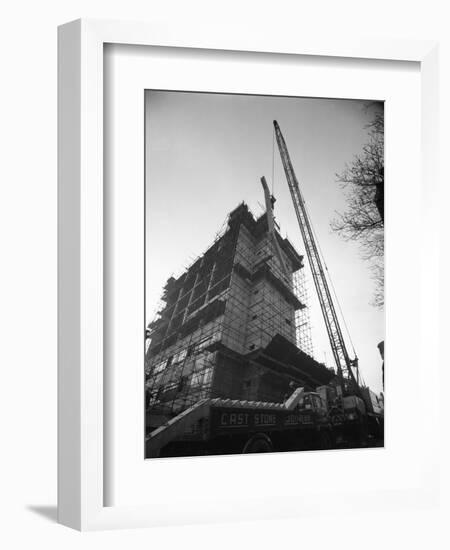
point(363, 219)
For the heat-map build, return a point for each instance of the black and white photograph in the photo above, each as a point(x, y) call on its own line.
point(220, 328)
point(264, 274)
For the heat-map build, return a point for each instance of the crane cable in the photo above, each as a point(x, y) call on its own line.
point(330, 280)
point(273, 160)
point(333, 289)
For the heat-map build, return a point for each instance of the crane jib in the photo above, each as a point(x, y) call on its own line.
point(338, 347)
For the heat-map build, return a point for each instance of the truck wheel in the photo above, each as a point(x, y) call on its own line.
point(258, 444)
point(325, 441)
point(363, 434)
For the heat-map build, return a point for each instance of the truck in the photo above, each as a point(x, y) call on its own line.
point(307, 420)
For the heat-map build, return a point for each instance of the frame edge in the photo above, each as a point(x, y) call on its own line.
point(69, 258)
point(79, 457)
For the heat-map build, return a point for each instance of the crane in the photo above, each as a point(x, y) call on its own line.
point(344, 364)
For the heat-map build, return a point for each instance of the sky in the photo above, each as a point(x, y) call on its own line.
point(206, 153)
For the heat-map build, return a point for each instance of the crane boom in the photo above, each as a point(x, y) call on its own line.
point(342, 359)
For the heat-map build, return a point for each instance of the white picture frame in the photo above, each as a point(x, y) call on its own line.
point(81, 479)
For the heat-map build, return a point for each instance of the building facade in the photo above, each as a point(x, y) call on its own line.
point(230, 324)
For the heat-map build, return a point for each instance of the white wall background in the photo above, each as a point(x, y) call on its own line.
point(28, 268)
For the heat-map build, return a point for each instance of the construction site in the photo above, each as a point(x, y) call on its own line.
point(229, 364)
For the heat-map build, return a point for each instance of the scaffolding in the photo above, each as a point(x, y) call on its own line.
point(303, 320)
point(224, 308)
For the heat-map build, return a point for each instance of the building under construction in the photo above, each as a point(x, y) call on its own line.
point(233, 325)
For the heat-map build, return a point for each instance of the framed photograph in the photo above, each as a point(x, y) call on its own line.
point(233, 364)
point(233, 275)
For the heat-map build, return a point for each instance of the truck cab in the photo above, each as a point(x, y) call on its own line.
point(313, 409)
